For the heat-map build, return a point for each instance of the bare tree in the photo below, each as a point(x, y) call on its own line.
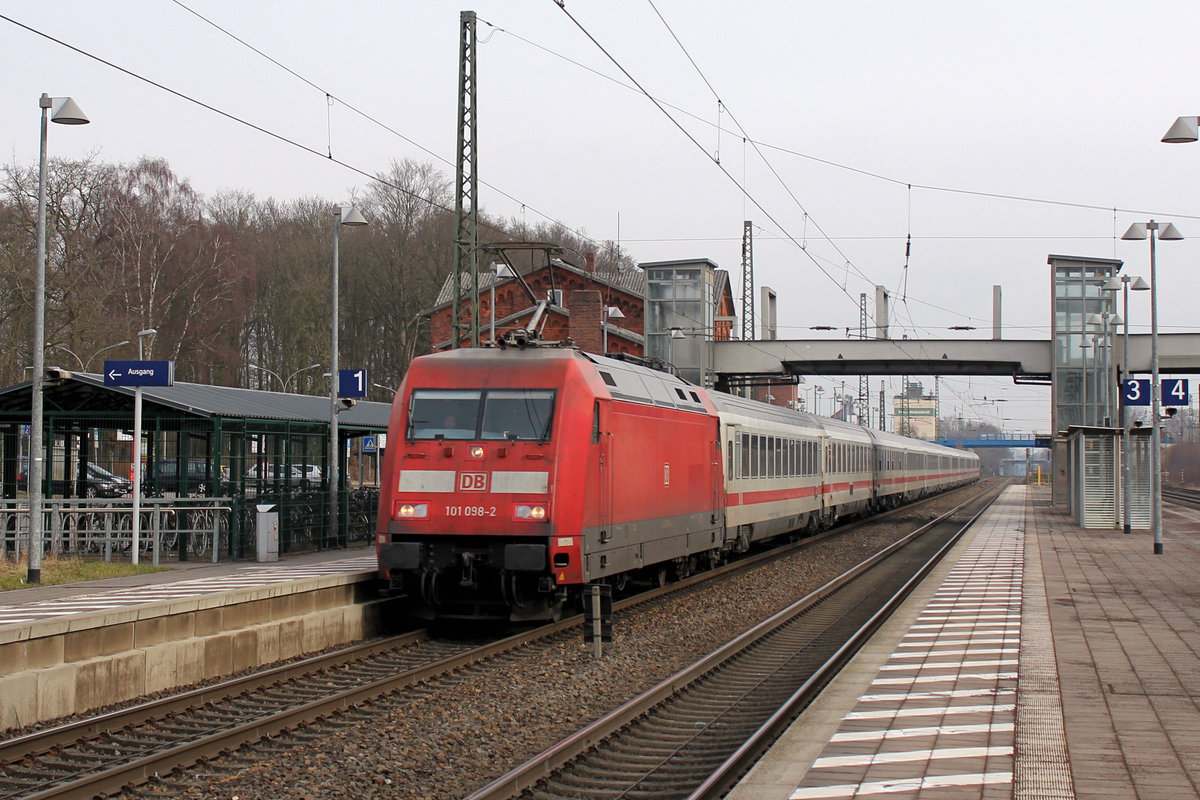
point(77, 318)
point(395, 270)
point(170, 270)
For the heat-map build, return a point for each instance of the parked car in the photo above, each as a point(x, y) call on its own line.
point(98, 483)
point(200, 477)
point(310, 473)
point(305, 475)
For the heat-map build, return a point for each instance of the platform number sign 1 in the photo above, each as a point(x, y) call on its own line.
point(1174, 391)
point(352, 383)
point(1135, 392)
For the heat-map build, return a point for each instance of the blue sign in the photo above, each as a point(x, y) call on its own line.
point(368, 444)
point(352, 383)
point(139, 373)
point(1174, 391)
point(1135, 392)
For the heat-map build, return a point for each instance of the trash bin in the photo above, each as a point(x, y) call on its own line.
point(267, 532)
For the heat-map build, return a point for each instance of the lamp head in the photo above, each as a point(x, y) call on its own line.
point(1170, 233)
point(1139, 285)
point(1113, 284)
point(67, 112)
point(1136, 231)
point(1184, 130)
point(614, 313)
point(351, 217)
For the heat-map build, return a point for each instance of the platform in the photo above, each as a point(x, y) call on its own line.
point(73, 648)
point(1040, 660)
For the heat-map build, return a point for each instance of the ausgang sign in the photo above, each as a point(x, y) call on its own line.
point(139, 373)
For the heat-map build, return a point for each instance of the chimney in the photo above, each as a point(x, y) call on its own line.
point(589, 261)
point(586, 307)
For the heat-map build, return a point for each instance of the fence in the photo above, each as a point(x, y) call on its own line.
point(187, 528)
point(170, 530)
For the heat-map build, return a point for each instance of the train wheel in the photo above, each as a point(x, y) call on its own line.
point(712, 559)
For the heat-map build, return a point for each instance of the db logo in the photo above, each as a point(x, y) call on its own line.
point(472, 481)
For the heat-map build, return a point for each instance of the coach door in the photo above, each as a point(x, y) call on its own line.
point(717, 479)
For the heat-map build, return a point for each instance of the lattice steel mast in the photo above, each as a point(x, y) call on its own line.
point(747, 281)
point(466, 212)
point(864, 380)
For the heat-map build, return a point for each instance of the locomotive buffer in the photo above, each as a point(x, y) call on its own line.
point(597, 617)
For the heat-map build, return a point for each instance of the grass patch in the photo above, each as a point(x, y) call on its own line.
point(68, 570)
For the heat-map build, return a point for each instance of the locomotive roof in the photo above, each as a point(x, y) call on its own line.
point(638, 384)
point(625, 380)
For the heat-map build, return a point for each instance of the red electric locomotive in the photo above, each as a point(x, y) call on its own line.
point(503, 463)
point(514, 476)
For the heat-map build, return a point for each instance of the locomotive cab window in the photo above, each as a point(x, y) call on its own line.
point(466, 414)
point(517, 414)
point(443, 413)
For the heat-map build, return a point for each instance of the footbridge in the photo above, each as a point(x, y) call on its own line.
point(1027, 361)
point(999, 440)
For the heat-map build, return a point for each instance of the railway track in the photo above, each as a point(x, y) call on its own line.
point(111, 752)
point(1185, 497)
point(694, 734)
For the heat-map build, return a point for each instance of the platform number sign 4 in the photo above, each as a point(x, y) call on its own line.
point(1135, 392)
point(352, 383)
point(1174, 392)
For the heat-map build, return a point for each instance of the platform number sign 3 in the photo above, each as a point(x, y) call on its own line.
point(1135, 392)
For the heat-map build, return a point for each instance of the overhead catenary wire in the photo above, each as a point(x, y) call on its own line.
point(687, 134)
point(846, 167)
point(328, 155)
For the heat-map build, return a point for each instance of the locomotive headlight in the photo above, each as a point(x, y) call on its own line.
point(475, 452)
point(412, 511)
point(530, 513)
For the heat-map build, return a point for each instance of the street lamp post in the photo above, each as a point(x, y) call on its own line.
point(817, 392)
point(610, 312)
point(1144, 230)
point(1113, 284)
point(498, 271)
point(136, 524)
point(675, 333)
point(66, 113)
point(1083, 347)
point(84, 365)
point(1105, 319)
point(350, 217)
point(283, 383)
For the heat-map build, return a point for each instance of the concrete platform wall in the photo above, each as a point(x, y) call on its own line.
point(58, 667)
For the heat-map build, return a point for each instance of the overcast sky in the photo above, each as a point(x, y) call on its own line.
point(861, 124)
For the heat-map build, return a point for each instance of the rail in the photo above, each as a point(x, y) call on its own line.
point(760, 672)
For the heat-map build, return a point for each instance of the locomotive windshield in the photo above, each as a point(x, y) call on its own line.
point(467, 414)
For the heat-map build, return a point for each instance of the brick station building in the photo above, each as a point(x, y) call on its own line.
point(576, 311)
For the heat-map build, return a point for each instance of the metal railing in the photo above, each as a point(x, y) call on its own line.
point(171, 529)
point(186, 528)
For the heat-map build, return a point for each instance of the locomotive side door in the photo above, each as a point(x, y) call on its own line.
point(603, 437)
